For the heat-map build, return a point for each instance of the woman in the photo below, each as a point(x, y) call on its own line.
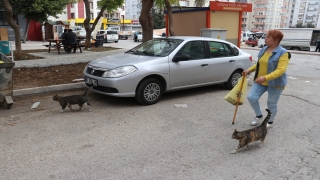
point(270, 75)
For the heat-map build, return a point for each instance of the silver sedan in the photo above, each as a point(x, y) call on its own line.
point(167, 64)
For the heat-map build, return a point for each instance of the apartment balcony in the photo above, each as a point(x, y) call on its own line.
point(283, 24)
point(312, 9)
point(259, 16)
point(310, 20)
point(258, 23)
point(261, 2)
point(243, 23)
point(260, 9)
point(244, 16)
point(284, 17)
point(313, 3)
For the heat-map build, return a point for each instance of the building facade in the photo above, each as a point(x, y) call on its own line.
point(304, 12)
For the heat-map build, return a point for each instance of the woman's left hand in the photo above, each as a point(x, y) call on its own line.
point(260, 80)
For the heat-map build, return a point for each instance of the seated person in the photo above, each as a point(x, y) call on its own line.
point(63, 36)
point(71, 39)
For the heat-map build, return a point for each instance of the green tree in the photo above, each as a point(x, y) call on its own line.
point(37, 10)
point(299, 25)
point(14, 25)
point(158, 19)
point(103, 5)
point(200, 3)
point(166, 4)
point(310, 25)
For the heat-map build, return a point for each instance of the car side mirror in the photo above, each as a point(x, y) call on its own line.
point(182, 57)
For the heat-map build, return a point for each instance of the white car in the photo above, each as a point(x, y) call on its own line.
point(167, 64)
point(140, 36)
point(110, 35)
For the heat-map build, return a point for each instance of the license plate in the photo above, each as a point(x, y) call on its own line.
point(91, 81)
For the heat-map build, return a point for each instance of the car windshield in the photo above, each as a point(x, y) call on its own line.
point(112, 32)
point(156, 47)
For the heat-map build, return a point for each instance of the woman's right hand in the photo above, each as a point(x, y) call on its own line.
point(245, 72)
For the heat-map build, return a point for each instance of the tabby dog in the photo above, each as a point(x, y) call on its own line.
point(72, 100)
point(251, 135)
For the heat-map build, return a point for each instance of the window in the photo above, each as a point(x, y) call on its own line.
point(235, 50)
point(91, 16)
point(72, 5)
point(195, 49)
point(218, 49)
point(4, 21)
point(91, 5)
point(112, 32)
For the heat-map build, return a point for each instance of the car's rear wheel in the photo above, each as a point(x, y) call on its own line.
point(116, 41)
point(233, 79)
point(149, 91)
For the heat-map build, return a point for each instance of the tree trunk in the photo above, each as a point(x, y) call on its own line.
point(26, 31)
point(146, 20)
point(170, 18)
point(86, 24)
point(15, 27)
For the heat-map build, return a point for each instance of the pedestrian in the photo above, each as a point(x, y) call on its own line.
point(270, 75)
point(317, 46)
point(63, 36)
point(71, 39)
point(135, 36)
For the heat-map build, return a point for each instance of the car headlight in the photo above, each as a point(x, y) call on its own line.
point(119, 71)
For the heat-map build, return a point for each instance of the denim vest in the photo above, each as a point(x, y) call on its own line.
point(272, 65)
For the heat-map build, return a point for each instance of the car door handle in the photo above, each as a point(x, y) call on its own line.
point(232, 61)
point(204, 64)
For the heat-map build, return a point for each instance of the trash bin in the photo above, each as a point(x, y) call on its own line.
point(6, 81)
point(99, 41)
point(5, 47)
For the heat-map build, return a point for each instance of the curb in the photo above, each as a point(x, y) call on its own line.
point(47, 89)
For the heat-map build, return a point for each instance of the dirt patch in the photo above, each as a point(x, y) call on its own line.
point(48, 76)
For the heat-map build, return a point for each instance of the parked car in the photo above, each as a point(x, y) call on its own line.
point(251, 42)
point(82, 34)
point(140, 36)
point(110, 35)
point(167, 64)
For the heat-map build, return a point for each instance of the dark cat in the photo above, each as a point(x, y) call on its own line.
point(251, 135)
point(72, 100)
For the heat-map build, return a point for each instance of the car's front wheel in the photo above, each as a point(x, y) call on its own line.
point(149, 91)
point(233, 79)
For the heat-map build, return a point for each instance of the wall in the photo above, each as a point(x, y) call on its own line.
point(226, 20)
point(189, 23)
point(22, 24)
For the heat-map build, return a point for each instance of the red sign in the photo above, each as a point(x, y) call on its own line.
point(135, 22)
point(230, 6)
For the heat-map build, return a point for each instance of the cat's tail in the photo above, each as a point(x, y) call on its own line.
point(265, 121)
point(86, 92)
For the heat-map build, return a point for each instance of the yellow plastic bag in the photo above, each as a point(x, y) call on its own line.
point(232, 96)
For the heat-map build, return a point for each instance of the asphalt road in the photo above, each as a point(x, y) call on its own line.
point(119, 139)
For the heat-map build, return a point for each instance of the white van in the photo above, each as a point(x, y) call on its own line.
point(293, 39)
point(110, 35)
